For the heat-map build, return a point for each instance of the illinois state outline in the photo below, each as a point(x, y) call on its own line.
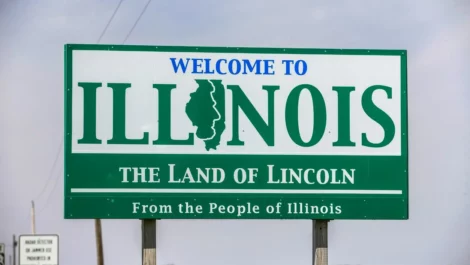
point(206, 110)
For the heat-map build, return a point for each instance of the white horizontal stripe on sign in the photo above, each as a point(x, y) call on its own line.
point(229, 191)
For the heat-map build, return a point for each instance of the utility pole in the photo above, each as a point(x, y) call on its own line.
point(33, 219)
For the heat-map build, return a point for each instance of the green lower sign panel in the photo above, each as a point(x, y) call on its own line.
point(211, 186)
point(244, 207)
point(235, 133)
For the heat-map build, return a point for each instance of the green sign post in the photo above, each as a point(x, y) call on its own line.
point(157, 132)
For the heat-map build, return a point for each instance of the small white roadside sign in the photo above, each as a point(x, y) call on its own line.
point(39, 250)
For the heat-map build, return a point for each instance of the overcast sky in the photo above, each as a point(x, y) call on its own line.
point(435, 33)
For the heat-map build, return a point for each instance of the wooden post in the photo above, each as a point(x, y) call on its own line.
point(33, 219)
point(320, 243)
point(149, 242)
point(99, 242)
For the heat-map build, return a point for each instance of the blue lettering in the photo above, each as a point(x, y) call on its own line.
point(268, 64)
point(289, 62)
point(233, 66)
point(196, 66)
point(217, 66)
point(180, 64)
point(246, 64)
point(304, 67)
point(208, 66)
point(230, 66)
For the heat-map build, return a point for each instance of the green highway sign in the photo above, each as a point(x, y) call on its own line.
point(235, 133)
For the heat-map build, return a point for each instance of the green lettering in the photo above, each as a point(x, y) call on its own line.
point(344, 116)
point(292, 115)
point(378, 115)
point(240, 101)
point(89, 113)
point(164, 118)
point(119, 116)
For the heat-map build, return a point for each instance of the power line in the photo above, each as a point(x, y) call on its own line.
point(52, 169)
point(50, 193)
point(109, 21)
point(62, 142)
point(137, 21)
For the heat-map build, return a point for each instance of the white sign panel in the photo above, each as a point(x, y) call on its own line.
point(39, 250)
point(326, 71)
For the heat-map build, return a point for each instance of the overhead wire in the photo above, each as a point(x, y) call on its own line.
point(62, 141)
point(49, 195)
point(109, 21)
point(52, 169)
point(99, 39)
point(137, 21)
